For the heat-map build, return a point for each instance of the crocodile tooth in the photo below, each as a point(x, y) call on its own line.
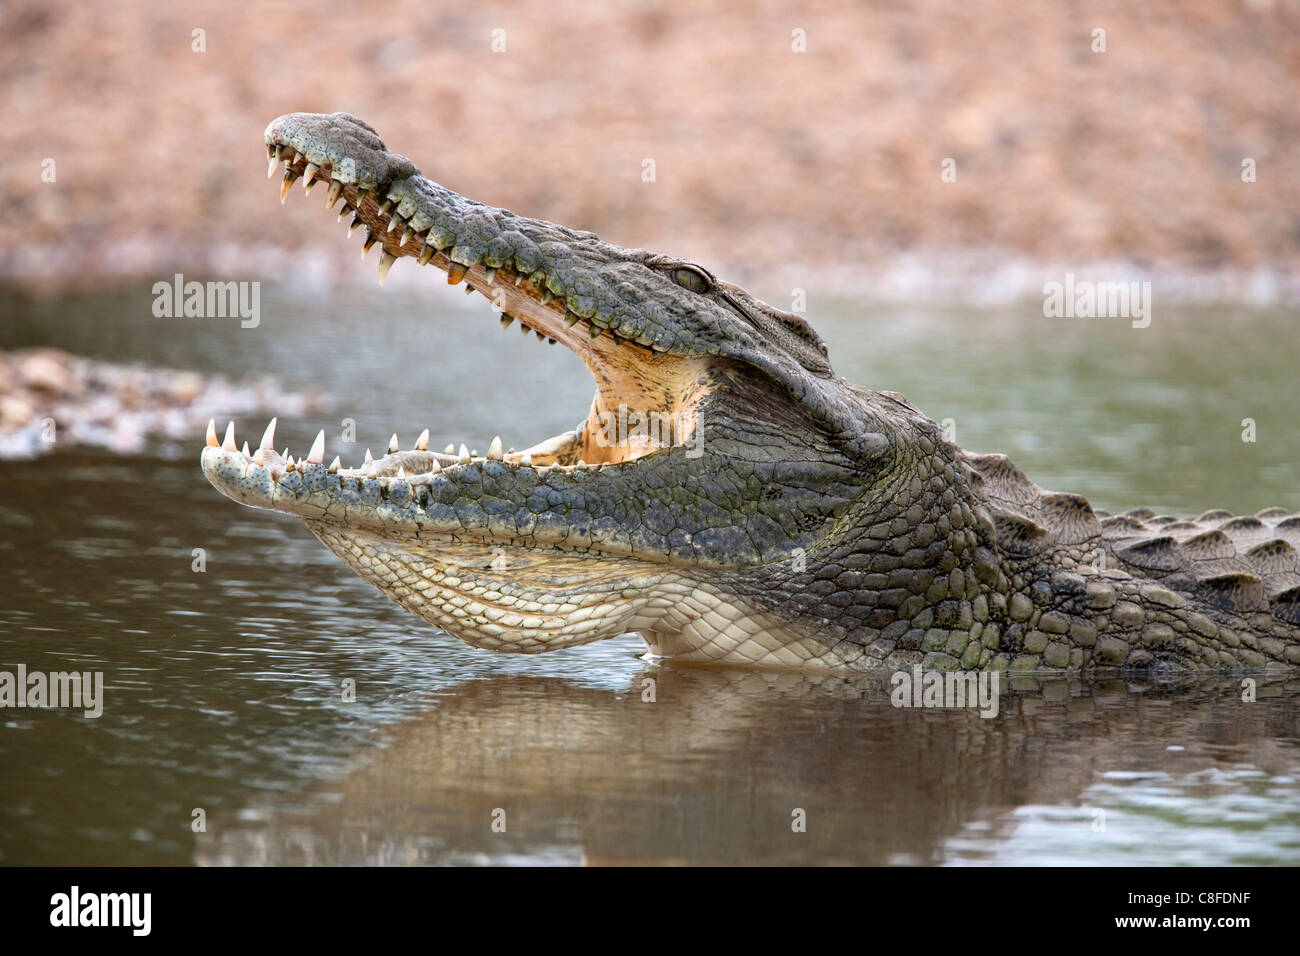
point(393, 223)
point(268, 436)
point(371, 239)
point(285, 453)
point(401, 472)
point(595, 331)
point(570, 318)
point(385, 207)
point(494, 450)
point(336, 190)
point(386, 260)
point(309, 174)
point(519, 277)
point(344, 210)
point(274, 161)
point(426, 253)
point(547, 296)
point(436, 467)
point(491, 274)
point(464, 453)
point(407, 233)
point(245, 450)
point(287, 183)
point(422, 443)
point(449, 450)
point(212, 433)
point(456, 272)
point(370, 459)
point(469, 289)
point(550, 341)
point(523, 328)
point(581, 464)
point(538, 333)
point(526, 460)
point(356, 221)
point(506, 320)
point(294, 157)
point(393, 446)
point(317, 454)
point(474, 453)
point(259, 457)
point(290, 465)
point(335, 465)
point(229, 443)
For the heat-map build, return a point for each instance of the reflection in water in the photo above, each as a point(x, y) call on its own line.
point(713, 768)
point(223, 688)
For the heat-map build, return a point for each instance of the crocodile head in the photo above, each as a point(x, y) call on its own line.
point(718, 458)
point(727, 496)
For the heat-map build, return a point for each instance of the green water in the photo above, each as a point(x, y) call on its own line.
point(224, 688)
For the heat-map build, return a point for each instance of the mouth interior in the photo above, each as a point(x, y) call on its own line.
point(647, 399)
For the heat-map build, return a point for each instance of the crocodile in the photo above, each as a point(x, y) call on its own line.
point(728, 497)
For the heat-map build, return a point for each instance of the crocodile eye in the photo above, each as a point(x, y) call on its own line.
point(692, 280)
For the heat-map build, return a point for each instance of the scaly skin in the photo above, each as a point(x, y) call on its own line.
point(795, 519)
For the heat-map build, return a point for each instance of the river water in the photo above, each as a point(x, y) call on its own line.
point(225, 710)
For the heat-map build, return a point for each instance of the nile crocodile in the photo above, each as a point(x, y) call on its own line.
point(758, 508)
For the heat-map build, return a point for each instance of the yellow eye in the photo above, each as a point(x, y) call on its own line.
point(690, 279)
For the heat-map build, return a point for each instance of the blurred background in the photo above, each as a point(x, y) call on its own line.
point(769, 161)
point(796, 146)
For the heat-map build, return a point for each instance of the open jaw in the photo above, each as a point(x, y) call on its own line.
point(586, 535)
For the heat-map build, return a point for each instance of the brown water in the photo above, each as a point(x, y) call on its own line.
point(223, 688)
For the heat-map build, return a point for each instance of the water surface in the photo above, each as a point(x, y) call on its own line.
point(224, 688)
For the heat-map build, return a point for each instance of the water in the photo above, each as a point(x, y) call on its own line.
point(224, 689)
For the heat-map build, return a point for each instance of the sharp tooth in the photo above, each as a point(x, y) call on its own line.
point(336, 190)
point(456, 272)
point(309, 174)
point(370, 241)
point(294, 156)
point(212, 434)
point(526, 460)
point(547, 296)
point(519, 277)
point(356, 221)
point(245, 450)
point(538, 333)
point(506, 320)
point(273, 162)
point(385, 207)
point(407, 233)
point(393, 446)
point(370, 459)
point(259, 457)
point(449, 450)
point(317, 454)
point(469, 289)
point(401, 472)
point(393, 223)
point(386, 260)
point(422, 443)
point(581, 463)
point(426, 253)
point(229, 443)
point(550, 341)
point(268, 436)
point(344, 210)
point(595, 331)
point(570, 319)
point(286, 183)
point(335, 465)
point(436, 467)
point(494, 450)
point(285, 453)
point(491, 274)
point(464, 453)
point(473, 453)
point(290, 466)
